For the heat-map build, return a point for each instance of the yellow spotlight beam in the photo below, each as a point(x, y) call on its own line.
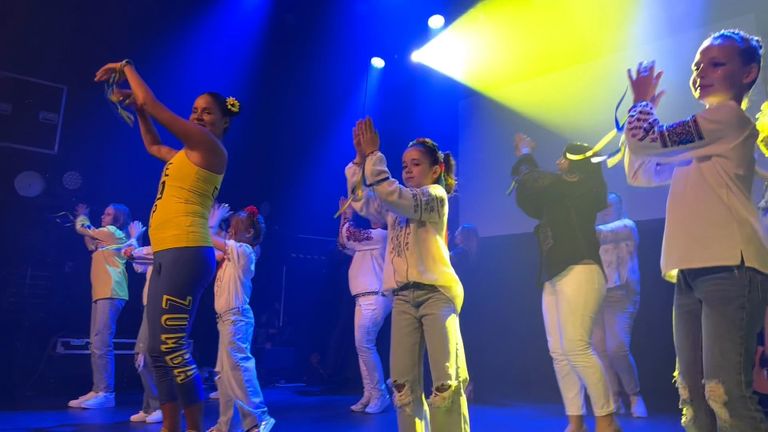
point(559, 62)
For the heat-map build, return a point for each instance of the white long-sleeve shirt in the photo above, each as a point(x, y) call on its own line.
point(708, 160)
point(143, 260)
point(618, 252)
point(233, 280)
point(367, 247)
point(416, 227)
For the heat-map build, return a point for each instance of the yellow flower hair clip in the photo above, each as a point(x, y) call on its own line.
point(233, 104)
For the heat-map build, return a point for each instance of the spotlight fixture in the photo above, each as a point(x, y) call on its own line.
point(436, 21)
point(378, 62)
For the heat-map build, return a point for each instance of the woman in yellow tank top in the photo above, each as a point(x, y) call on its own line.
point(184, 262)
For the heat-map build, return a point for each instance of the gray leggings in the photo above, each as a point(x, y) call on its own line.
point(179, 277)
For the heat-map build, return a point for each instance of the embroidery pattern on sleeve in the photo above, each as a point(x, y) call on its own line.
point(357, 235)
point(681, 133)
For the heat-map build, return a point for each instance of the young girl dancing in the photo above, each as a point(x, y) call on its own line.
point(366, 242)
point(713, 246)
point(427, 293)
point(109, 292)
point(237, 382)
point(142, 260)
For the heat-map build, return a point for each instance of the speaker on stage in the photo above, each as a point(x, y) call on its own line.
point(31, 113)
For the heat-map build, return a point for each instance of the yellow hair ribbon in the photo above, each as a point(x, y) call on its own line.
point(762, 128)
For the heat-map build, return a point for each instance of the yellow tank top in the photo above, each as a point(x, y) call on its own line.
point(179, 217)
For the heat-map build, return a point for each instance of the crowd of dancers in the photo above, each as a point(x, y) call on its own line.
point(714, 250)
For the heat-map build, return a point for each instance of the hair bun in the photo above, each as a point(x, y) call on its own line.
point(252, 211)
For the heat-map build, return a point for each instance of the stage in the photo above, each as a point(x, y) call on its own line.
point(305, 409)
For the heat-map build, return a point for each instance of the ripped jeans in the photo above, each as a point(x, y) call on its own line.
point(717, 314)
point(423, 316)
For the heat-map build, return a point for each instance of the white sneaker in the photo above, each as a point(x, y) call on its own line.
point(77, 403)
point(618, 403)
point(101, 400)
point(214, 395)
point(638, 406)
point(362, 403)
point(378, 403)
point(265, 425)
point(155, 417)
point(140, 416)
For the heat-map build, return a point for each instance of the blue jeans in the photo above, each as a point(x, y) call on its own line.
point(424, 317)
point(717, 314)
point(104, 313)
point(237, 382)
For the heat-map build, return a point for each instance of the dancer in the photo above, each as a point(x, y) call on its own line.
point(428, 294)
point(142, 259)
point(109, 292)
point(237, 382)
point(366, 241)
point(713, 246)
point(612, 335)
point(464, 255)
point(566, 204)
point(178, 229)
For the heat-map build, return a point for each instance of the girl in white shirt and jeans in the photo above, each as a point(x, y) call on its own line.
point(366, 242)
point(714, 247)
point(428, 294)
point(237, 382)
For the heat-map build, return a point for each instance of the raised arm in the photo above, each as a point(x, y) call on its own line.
point(151, 138)
point(429, 203)
point(217, 214)
point(700, 135)
point(93, 235)
point(196, 139)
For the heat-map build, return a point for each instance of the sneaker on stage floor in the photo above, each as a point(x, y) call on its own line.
point(619, 404)
point(77, 403)
point(155, 417)
point(214, 395)
point(638, 406)
point(378, 403)
point(360, 405)
point(140, 416)
point(101, 400)
point(265, 425)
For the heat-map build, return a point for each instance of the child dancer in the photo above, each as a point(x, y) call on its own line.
point(428, 294)
point(237, 382)
point(366, 242)
point(713, 247)
point(142, 258)
point(109, 292)
point(566, 204)
point(612, 335)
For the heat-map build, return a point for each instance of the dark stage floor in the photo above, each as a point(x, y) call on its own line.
point(300, 410)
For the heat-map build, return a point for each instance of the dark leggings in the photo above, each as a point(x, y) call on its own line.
point(179, 277)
